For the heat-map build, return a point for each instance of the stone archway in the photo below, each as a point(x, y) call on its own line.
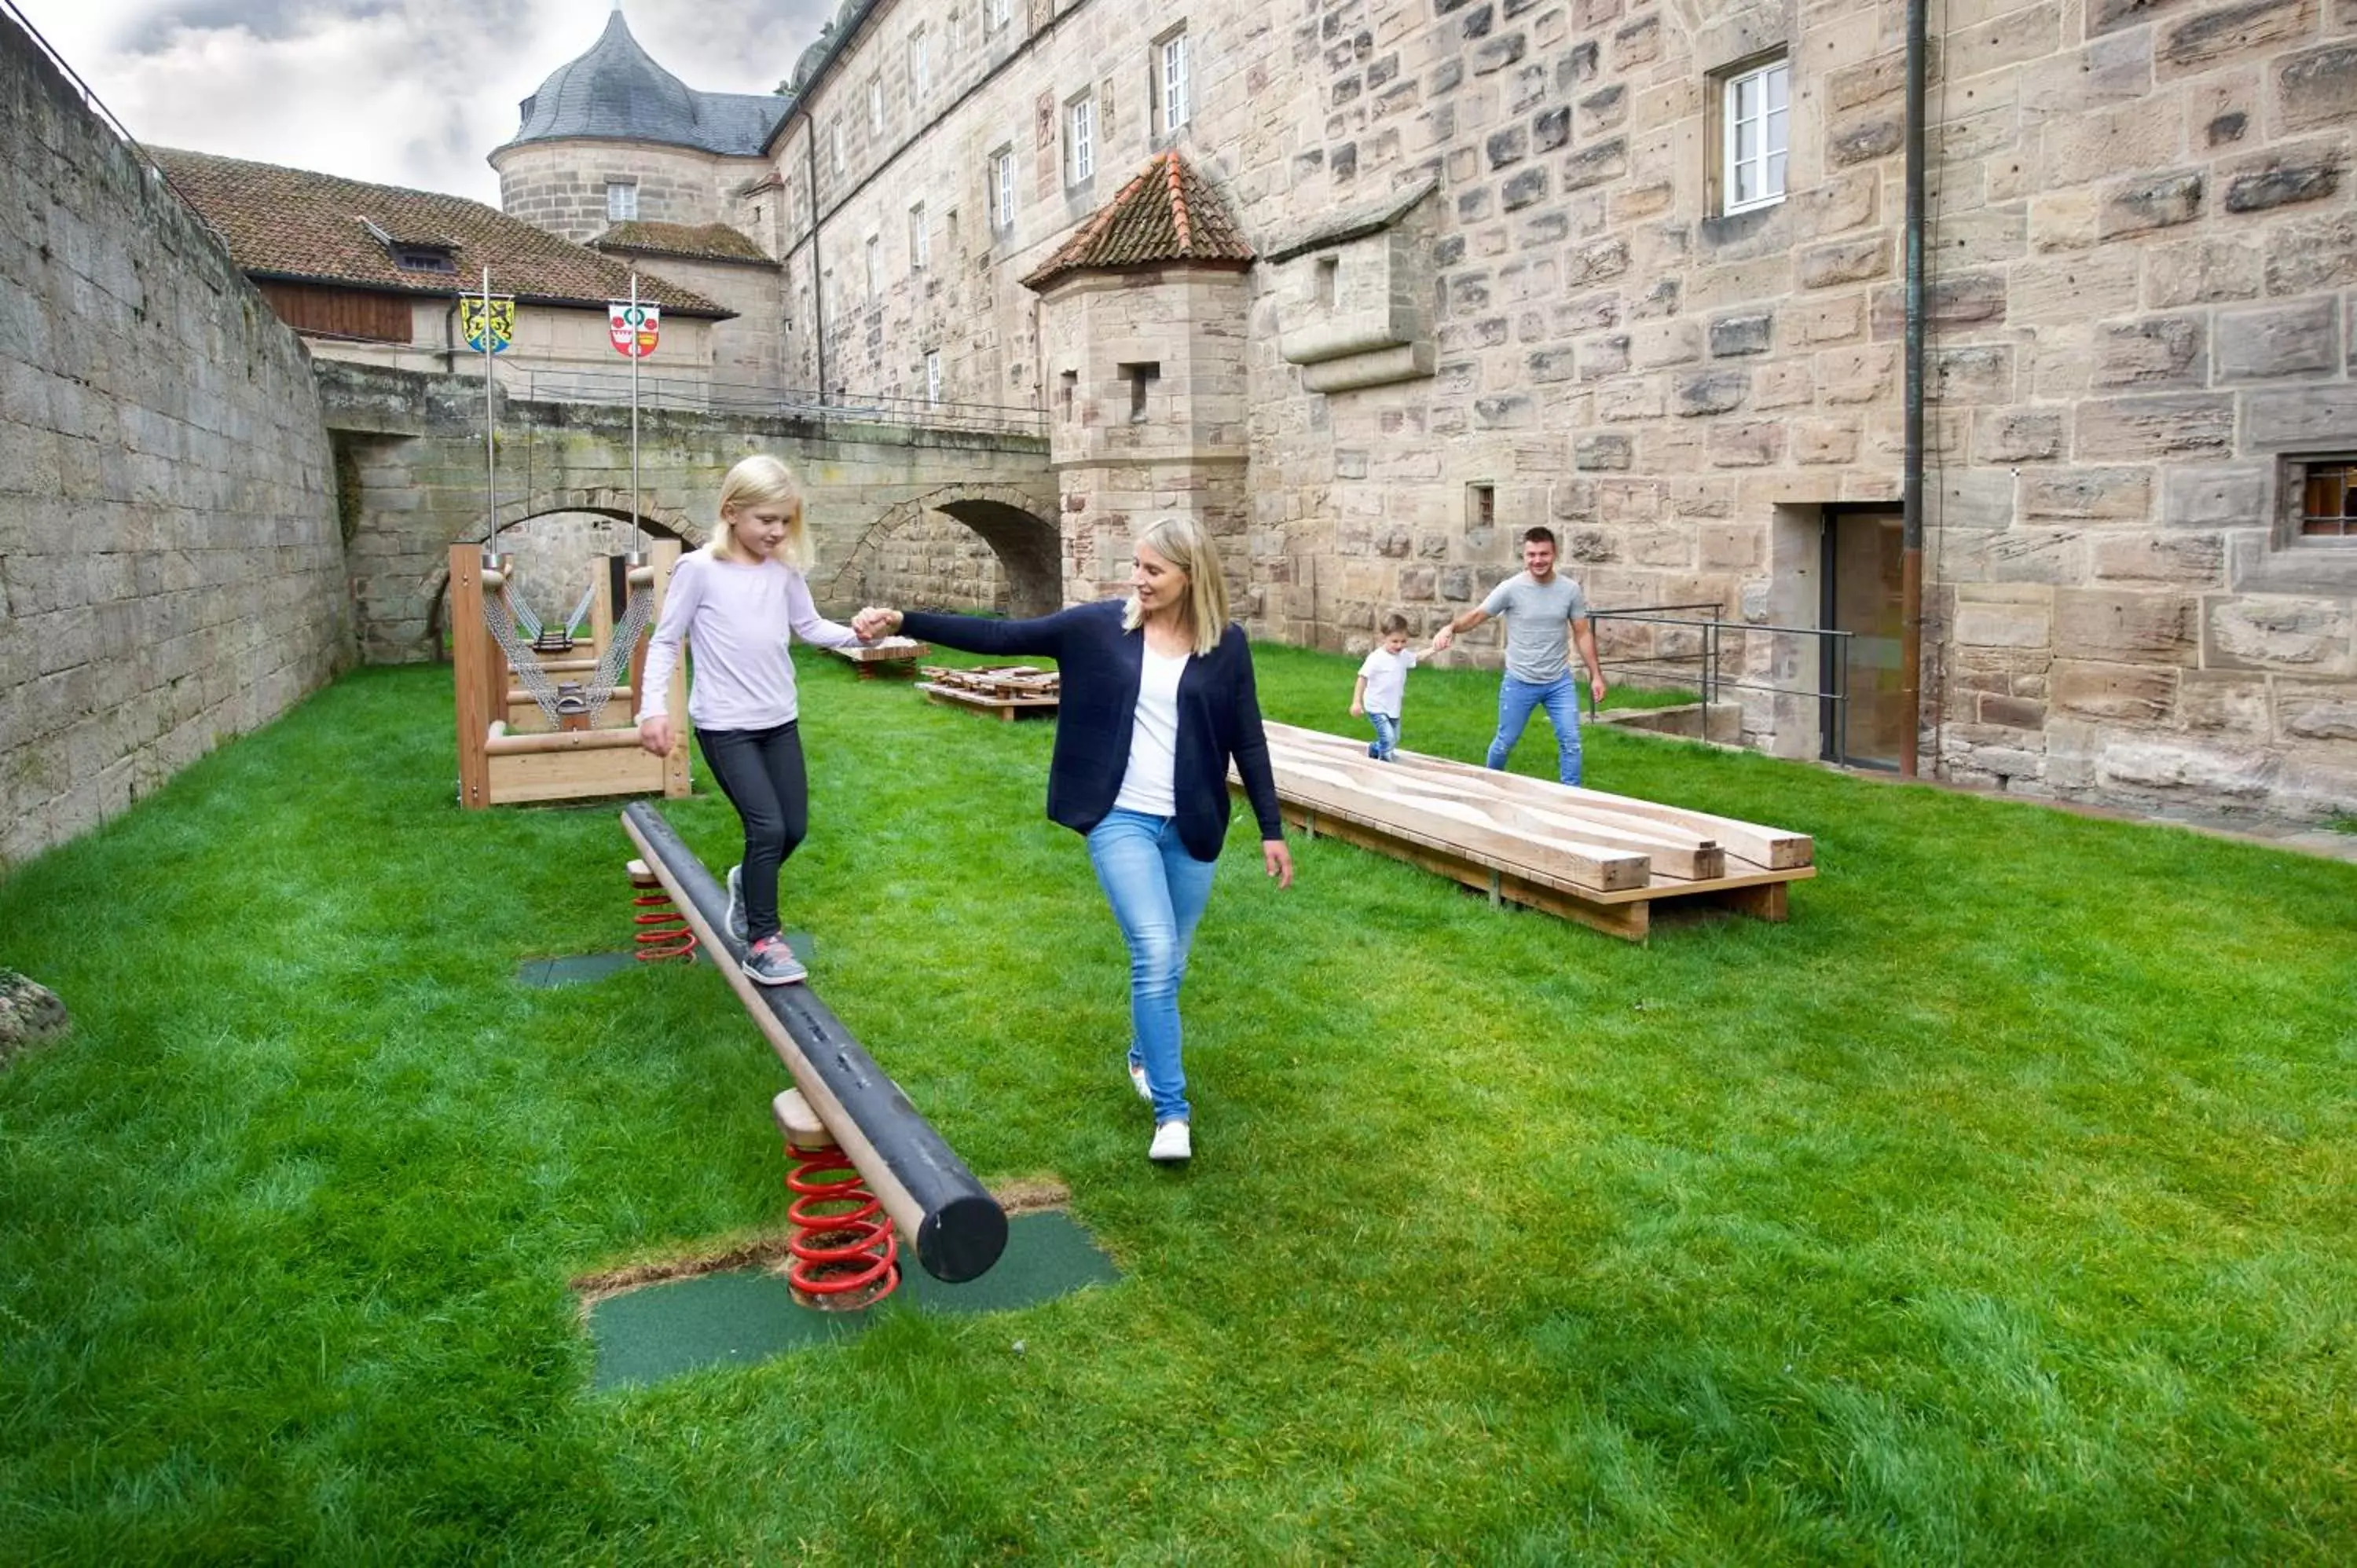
point(1028, 547)
point(558, 563)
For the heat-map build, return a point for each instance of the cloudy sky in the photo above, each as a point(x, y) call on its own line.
point(403, 91)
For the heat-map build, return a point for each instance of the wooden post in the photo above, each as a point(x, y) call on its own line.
point(477, 664)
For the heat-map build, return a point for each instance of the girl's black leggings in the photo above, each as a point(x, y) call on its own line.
point(760, 771)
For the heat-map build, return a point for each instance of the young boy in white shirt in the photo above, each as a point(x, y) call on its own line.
point(1382, 681)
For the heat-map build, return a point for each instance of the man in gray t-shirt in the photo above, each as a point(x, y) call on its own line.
point(1544, 614)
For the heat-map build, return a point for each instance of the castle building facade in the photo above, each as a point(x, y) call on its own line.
point(1372, 286)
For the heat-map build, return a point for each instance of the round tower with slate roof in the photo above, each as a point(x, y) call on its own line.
point(616, 152)
point(612, 137)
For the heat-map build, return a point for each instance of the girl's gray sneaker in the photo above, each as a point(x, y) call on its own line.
point(772, 963)
point(737, 926)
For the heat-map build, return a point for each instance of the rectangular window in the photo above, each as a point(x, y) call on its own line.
point(622, 200)
point(933, 375)
point(875, 105)
point(950, 234)
point(1001, 12)
point(1170, 85)
point(835, 146)
point(1328, 281)
point(919, 247)
point(874, 269)
point(1080, 139)
point(1481, 506)
point(2324, 496)
point(1068, 389)
point(1141, 378)
point(920, 76)
point(1754, 109)
point(1002, 188)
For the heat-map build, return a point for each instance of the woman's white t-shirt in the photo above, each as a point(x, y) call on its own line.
point(1147, 785)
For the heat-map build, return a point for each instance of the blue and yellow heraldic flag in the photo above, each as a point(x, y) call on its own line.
point(495, 315)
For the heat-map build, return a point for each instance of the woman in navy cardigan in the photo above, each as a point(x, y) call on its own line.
point(1156, 696)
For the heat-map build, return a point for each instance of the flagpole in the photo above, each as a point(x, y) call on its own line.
point(490, 436)
point(638, 533)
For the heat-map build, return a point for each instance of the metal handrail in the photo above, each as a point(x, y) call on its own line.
point(698, 394)
point(1833, 658)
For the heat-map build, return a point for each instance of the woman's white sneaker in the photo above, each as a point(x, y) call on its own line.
point(1172, 1143)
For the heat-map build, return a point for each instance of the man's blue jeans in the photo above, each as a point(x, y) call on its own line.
point(1560, 698)
point(1158, 892)
point(1386, 739)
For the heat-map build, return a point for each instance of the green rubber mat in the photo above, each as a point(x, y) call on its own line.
point(745, 1316)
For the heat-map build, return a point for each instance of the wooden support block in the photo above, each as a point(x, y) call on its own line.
point(799, 1123)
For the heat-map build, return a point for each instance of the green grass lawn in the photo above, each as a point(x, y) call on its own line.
point(1995, 1208)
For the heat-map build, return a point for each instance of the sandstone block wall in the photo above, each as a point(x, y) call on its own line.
point(171, 566)
point(2141, 304)
point(561, 186)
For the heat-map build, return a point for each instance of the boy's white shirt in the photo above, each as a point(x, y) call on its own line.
point(1385, 674)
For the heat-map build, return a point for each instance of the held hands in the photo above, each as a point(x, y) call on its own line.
point(656, 734)
point(876, 621)
point(1443, 638)
point(1278, 860)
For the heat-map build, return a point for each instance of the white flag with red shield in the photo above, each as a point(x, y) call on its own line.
point(633, 328)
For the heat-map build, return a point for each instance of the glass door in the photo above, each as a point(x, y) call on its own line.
point(1863, 557)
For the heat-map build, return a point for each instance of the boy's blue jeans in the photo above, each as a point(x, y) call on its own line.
point(1386, 739)
point(1560, 698)
point(1158, 892)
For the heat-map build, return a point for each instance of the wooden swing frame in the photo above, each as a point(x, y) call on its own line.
point(509, 754)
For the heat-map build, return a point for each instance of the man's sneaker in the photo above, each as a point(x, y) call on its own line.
point(1137, 1081)
point(772, 963)
point(737, 926)
point(1172, 1143)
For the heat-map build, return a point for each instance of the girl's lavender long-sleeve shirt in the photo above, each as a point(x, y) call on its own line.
point(736, 613)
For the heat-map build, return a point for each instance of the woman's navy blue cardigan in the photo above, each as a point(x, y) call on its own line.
point(1102, 665)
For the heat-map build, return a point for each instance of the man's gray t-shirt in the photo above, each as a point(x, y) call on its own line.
point(1538, 624)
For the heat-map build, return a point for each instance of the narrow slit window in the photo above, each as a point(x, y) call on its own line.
point(1141, 378)
point(1481, 506)
point(919, 242)
point(1329, 272)
point(932, 377)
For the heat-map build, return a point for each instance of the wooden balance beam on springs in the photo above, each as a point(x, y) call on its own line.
point(958, 1228)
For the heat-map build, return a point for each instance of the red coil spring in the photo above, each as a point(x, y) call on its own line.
point(663, 932)
point(845, 1254)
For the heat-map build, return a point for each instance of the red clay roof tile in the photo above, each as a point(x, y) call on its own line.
point(1167, 213)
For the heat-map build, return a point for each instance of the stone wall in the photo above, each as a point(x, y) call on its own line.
point(410, 448)
point(171, 569)
point(2147, 292)
point(561, 186)
point(2144, 296)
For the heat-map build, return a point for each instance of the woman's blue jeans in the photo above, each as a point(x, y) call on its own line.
point(1158, 892)
point(1560, 698)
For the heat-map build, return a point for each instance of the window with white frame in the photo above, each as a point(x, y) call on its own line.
point(1079, 139)
point(1173, 99)
point(1754, 113)
point(920, 244)
point(835, 146)
point(921, 74)
point(622, 200)
point(933, 375)
point(1001, 12)
point(876, 104)
point(874, 268)
point(1002, 188)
